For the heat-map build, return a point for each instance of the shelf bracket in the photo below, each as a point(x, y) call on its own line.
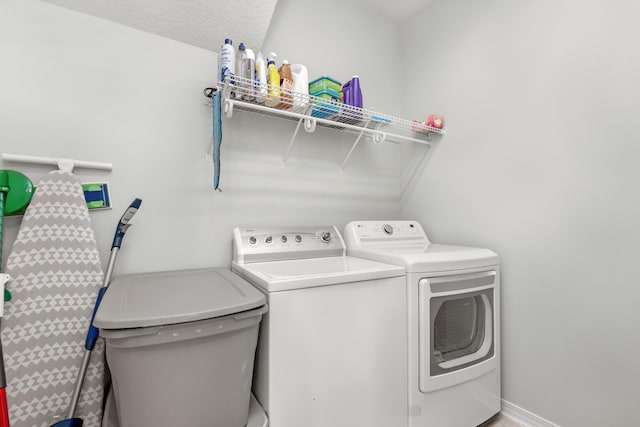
point(310, 124)
point(309, 121)
point(228, 108)
point(353, 147)
point(429, 137)
point(378, 137)
point(293, 139)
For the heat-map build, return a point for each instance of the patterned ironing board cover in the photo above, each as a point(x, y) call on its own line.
point(55, 277)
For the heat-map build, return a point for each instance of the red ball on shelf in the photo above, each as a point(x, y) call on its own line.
point(435, 121)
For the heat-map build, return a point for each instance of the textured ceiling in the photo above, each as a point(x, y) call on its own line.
point(206, 23)
point(202, 23)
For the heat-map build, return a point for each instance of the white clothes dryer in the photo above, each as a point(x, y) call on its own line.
point(453, 310)
point(332, 349)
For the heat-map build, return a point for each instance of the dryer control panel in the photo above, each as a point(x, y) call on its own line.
point(277, 244)
point(381, 233)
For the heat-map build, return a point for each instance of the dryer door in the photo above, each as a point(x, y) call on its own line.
point(457, 329)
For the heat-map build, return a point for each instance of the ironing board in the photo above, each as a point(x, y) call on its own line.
point(56, 274)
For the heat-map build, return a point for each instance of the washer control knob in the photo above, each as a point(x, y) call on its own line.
point(388, 229)
point(298, 238)
point(253, 240)
point(325, 237)
point(268, 240)
point(283, 239)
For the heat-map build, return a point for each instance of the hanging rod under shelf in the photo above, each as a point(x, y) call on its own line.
point(63, 164)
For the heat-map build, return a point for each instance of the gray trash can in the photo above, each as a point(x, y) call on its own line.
point(181, 346)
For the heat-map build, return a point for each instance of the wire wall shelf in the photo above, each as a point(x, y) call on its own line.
point(314, 111)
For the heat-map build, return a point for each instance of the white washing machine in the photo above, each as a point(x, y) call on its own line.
point(332, 349)
point(453, 295)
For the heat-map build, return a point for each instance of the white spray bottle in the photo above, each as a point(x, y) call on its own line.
point(273, 81)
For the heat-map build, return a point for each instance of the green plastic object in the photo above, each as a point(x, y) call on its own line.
point(324, 83)
point(16, 191)
point(96, 195)
point(19, 191)
point(328, 108)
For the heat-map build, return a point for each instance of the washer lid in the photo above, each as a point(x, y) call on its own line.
point(162, 298)
point(430, 257)
point(307, 273)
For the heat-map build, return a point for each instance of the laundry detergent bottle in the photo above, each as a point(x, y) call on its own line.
point(286, 86)
point(227, 62)
point(273, 80)
point(352, 98)
point(352, 92)
point(300, 85)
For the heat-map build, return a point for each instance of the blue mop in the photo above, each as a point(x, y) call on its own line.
point(217, 138)
point(92, 333)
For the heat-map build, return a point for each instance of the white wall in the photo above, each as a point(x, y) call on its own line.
point(76, 86)
point(341, 39)
point(541, 164)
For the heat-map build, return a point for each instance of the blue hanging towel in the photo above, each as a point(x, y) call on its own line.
point(217, 138)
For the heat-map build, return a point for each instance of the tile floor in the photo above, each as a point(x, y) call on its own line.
point(503, 421)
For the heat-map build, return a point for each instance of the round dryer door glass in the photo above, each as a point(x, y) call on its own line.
point(458, 328)
point(462, 330)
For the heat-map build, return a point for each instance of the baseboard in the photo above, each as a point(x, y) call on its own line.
point(524, 417)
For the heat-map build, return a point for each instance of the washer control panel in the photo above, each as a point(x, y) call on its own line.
point(369, 233)
point(275, 244)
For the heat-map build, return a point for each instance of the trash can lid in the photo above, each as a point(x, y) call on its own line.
point(163, 298)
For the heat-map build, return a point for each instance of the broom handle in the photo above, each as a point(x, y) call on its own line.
point(92, 333)
point(92, 336)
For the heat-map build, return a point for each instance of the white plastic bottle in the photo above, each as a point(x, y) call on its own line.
point(300, 85)
point(261, 78)
point(227, 62)
point(249, 70)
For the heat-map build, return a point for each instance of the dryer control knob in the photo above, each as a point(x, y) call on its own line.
point(268, 240)
point(283, 239)
point(326, 237)
point(388, 229)
point(253, 240)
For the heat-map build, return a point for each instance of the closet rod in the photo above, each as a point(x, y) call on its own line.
point(62, 163)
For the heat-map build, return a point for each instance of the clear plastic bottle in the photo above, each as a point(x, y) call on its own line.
point(227, 62)
point(241, 84)
point(286, 86)
point(249, 70)
point(261, 78)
